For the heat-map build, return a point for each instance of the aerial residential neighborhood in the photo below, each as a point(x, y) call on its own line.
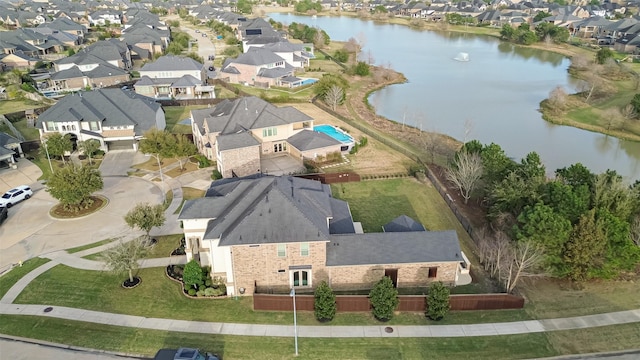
point(240, 180)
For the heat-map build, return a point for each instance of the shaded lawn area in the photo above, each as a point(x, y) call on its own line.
point(152, 164)
point(64, 286)
point(29, 133)
point(147, 342)
point(174, 114)
point(163, 248)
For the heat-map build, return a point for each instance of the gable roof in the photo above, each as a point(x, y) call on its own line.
point(236, 141)
point(393, 248)
point(257, 56)
point(403, 223)
point(264, 210)
point(6, 139)
point(172, 63)
point(111, 107)
point(246, 113)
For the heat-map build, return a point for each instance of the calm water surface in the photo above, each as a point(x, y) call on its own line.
point(494, 97)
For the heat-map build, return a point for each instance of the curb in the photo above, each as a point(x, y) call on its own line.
point(69, 347)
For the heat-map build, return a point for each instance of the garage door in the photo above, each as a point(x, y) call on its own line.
point(121, 145)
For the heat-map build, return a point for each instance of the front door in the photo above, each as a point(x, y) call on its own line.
point(393, 274)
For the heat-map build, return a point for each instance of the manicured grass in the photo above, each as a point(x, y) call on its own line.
point(189, 193)
point(29, 133)
point(165, 245)
point(168, 198)
point(64, 286)
point(152, 164)
point(10, 278)
point(175, 114)
point(11, 106)
point(88, 246)
point(188, 167)
point(600, 339)
point(551, 298)
point(147, 342)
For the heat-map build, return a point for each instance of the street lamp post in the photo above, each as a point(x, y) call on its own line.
point(157, 156)
point(295, 320)
point(46, 150)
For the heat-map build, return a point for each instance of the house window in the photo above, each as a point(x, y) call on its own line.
point(51, 126)
point(433, 272)
point(64, 128)
point(94, 126)
point(304, 249)
point(301, 278)
point(269, 132)
point(282, 250)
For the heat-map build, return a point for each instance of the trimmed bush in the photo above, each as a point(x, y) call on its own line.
point(437, 301)
point(191, 292)
point(216, 175)
point(192, 275)
point(209, 291)
point(200, 293)
point(384, 299)
point(324, 302)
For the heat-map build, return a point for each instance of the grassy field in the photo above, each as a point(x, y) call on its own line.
point(9, 279)
point(11, 106)
point(147, 342)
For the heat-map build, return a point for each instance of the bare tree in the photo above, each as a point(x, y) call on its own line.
point(628, 111)
point(634, 233)
point(318, 39)
point(370, 59)
point(465, 173)
point(558, 98)
point(613, 118)
point(334, 96)
point(580, 62)
point(523, 259)
point(590, 85)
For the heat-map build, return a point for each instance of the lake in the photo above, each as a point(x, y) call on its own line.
point(493, 97)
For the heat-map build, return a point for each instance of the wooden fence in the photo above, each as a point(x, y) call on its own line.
point(408, 303)
point(332, 178)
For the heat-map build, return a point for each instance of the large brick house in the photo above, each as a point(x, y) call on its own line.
point(238, 133)
point(174, 77)
point(274, 233)
point(116, 118)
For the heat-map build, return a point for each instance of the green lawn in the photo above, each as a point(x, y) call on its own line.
point(175, 114)
point(88, 246)
point(29, 133)
point(9, 279)
point(11, 106)
point(165, 245)
point(147, 342)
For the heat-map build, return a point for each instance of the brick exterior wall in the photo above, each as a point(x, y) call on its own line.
point(409, 275)
point(243, 161)
point(110, 80)
point(261, 264)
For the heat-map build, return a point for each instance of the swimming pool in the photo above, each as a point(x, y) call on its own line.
point(308, 81)
point(334, 133)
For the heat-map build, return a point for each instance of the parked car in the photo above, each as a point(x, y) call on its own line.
point(197, 31)
point(204, 35)
point(3, 214)
point(184, 354)
point(15, 195)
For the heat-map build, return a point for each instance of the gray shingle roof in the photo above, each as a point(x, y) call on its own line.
point(186, 81)
point(264, 209)
point(309, 140)
point(236, 141)
point(393, 248)
point(172, 63)
point(6, 139)
point(257, 56)
point(112, 107)
point(403, 223)
point(245, 113)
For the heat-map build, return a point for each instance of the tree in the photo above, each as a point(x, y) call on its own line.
point(465, 173)
point(568, 201)
point(73, 185)
point(57, 144)
point(341, 55)
point(591, 84)
point(541, 15)
point(324, 302)
point(327, 81)
point(584, 248)
point(612, 193)
point(384, 299)
point(183, 148)
point(524, 260)
point(124, 256)
point(334, 97)
point(145, 216)
point(541, 225)
point(603, 54)
point(558, 98)
point(158, 142)
point(361, 68)
point(496, 163)
point(89, 147)
point(635, 102)
point(437, 301)
point(507, 32)
point(192, 274)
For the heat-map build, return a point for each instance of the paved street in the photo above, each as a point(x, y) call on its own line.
point(26, 350)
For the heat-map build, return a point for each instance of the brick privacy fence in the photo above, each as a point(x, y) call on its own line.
point(408, 303)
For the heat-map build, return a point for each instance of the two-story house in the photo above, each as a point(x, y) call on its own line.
point(174, 77)
point(277, 233)
point(105, 17)
point(258, 67)
point(116, 118)
point(238, 133)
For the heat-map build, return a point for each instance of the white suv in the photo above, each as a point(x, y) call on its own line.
point(16, 195)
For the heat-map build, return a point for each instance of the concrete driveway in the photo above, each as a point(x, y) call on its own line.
point(26, 174)
point(119, 162)
point(29, 231)
point(29, 349)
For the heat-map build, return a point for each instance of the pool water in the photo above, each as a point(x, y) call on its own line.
point(334, 133)
point(308, 81)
